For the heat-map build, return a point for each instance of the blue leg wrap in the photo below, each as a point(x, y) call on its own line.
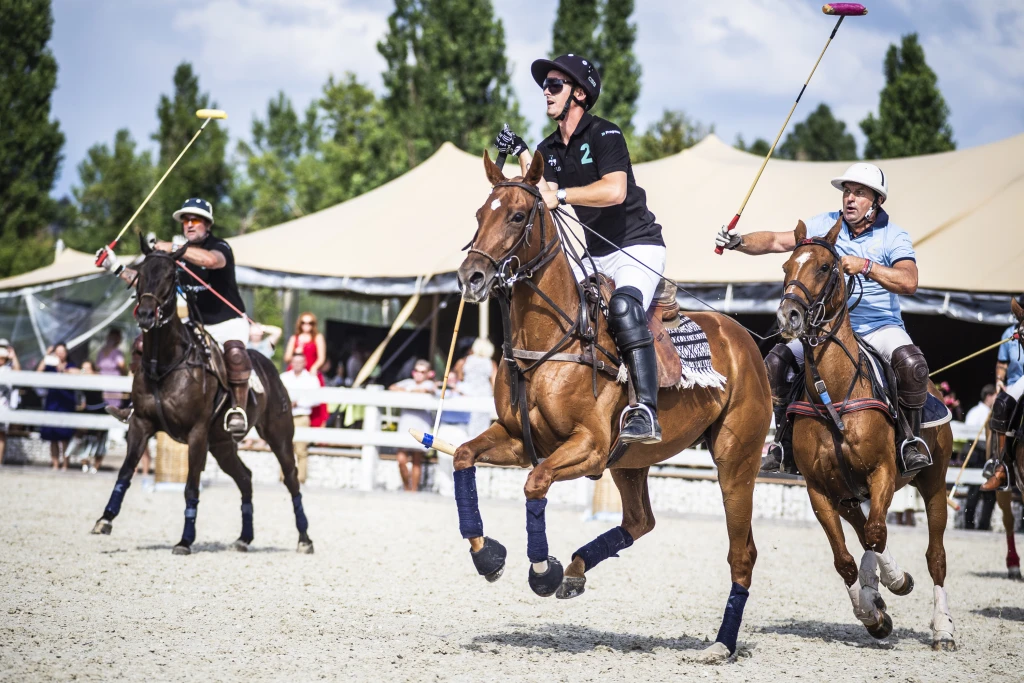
point(604, 546)
point(733, 617)
point(536, 530)
point(191, 510)
point(471, 525)
point(116, 497)
point(247, 531)
point(301, 523)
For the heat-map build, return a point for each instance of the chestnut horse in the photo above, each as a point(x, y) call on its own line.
point(573, 411)
point(177, 391)
point(814, 309)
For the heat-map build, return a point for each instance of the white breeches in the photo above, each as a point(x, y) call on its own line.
point(1016, 389)
point(236, 329)
point(627, 272)
point(885, 340)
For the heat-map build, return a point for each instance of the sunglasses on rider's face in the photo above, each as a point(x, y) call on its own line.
point(554, 85)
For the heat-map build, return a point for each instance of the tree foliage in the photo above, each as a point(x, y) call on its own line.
point(671, 134)
point(913, 117)
point(821, 137)
point(30, 143)
point(447, 77)
point(760, 146)
point(575, 29)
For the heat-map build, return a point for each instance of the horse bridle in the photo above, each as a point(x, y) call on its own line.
point(162, 317)
point(814, 307)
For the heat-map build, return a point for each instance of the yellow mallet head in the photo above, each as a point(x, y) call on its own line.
point(211, 114)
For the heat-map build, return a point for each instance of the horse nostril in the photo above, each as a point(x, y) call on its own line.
point(476, 279)
point(794, 318)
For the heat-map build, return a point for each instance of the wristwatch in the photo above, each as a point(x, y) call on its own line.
point(561, 196)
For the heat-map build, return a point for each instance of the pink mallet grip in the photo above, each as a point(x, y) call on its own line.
point(732, 226)
point(845, 9)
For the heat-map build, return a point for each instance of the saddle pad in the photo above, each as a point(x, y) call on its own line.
point(695, 356)
point(935, 413)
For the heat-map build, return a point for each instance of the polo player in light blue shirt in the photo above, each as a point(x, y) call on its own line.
point(875, 248)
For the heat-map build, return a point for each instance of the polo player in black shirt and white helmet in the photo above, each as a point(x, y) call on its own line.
point(587, 165)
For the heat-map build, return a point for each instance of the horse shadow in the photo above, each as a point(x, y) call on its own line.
point(575, 639)
point(213, 547)
point(1008, 613)
point(850, 635)
point(992, 575)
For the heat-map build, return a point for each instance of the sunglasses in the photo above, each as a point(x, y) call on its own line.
point(554, 85)
point(307, 322)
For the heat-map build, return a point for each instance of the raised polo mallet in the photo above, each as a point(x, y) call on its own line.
point(208, 115)
point(841, 10)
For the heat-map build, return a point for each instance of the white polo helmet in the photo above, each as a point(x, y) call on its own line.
point(865, 174)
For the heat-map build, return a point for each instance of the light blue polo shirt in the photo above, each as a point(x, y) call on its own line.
point(1012, 355)
point(884, 243)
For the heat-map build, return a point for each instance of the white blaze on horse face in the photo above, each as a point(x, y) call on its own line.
point(802, 258)
point(495, 204)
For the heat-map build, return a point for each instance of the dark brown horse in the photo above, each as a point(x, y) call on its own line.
point(518, 249)
point(866, 466)
point(178, 391)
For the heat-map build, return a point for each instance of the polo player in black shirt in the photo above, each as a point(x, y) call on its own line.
point(587, 165)
point(212, 260)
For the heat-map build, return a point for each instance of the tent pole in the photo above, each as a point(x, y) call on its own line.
point(433, 330)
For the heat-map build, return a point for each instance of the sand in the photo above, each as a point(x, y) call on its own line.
point(391, 595)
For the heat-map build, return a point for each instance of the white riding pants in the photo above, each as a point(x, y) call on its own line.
point(622, 267)
point(236, 329)
point(885, 340)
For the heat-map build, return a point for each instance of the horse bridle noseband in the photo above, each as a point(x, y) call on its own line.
point(162, 317)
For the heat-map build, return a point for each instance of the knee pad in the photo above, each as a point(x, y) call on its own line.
point(779, 361)
point(627, 319)
point(911, 374)
point(237, 360)
point(1002, 412)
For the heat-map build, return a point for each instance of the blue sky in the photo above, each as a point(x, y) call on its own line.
point(735, 64)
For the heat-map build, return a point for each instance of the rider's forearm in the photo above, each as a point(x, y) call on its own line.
point(764, 242)
point(204, 258)
point(895, 280)
point(129, 275)
point(524, 161)
point(610, 190)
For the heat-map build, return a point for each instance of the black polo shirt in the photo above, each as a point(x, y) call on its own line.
point(597, 148)
point(212, 309)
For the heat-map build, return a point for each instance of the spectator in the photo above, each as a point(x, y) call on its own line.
point(8, 396)
point(58, 401)
point(951, 401)
point(355, 363)
point(94, 441)
point(421, 382)
point(110, 361)
point(294, 380)
point(338, 378)
point(477, 379)
point(308, 341)
point(264, 338)
point(977, 417)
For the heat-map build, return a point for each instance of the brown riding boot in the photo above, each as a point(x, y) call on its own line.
point(239, 368)
point(997, 481)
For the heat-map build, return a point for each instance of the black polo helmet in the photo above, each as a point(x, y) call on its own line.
point(579, 69)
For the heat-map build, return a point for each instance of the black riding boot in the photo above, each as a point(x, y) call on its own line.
point(912, 388)
point(628, 323)
point(915, 452)
point(239, 368)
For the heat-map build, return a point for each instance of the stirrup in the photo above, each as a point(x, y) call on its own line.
point(923, 445)
point(245, 420)
point(655, 435)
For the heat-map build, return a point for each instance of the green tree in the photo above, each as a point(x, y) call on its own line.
point(204, 170)
point(821, 137)
point(913, 117)
point(620, 71)
point(447, 77)
point(671, 134)
point(112, 184)
point(30, 143)
point(760, 146)
point(575, 29)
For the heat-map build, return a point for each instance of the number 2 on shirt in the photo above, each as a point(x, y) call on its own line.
point(586, 158)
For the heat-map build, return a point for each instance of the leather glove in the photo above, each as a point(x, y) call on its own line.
point(727, 239)
point(110, 262)
point(508, 142)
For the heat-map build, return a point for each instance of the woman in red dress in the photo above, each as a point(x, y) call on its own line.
point(313, 346)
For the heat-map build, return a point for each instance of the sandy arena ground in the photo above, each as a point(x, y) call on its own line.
point(391, 594)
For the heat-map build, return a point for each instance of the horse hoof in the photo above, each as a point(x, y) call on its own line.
point(103, 526)
point(882, 629)
point(490, 560)
point(181, 550)
point(305, 548)
point(943, 642)
point(572, 587)
point(714, 653)
point(241, 546)
point(1011, 572)
point(547, 583)
point(908, 585)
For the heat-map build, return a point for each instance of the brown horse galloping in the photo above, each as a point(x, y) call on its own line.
point(866, 466)
point(518, 248)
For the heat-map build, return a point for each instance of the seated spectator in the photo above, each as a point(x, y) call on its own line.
point(264, 338)
point(94, 441)
point(977, 417)
point(295, 379)
point(421, 382)
point(8, 396)
point(478, 373)
point(59, 401)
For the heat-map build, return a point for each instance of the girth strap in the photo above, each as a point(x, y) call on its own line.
point(581, 358)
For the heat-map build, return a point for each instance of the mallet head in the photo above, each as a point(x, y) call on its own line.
point(845, 9)
point(214, 113)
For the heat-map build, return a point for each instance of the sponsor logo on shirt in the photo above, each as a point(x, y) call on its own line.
point(611, 132)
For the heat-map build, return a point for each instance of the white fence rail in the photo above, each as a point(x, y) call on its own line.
point(369, 439)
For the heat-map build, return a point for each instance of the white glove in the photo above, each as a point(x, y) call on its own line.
point(151, 239)
point(727, 239)
point(110, 262)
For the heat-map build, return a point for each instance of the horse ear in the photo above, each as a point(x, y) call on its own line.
point(494, 174)
point(800, 233)
point(536, 171)
point(1017, 309)
point(144, 245)
point(176, 255)
point(833, 234)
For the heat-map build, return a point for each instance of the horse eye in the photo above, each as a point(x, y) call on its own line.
point(824, 268)
point(518, 217)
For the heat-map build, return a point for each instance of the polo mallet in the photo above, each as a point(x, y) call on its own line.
point(431, 440)
point(842, 10)
point(949, 501)
point(208, 115)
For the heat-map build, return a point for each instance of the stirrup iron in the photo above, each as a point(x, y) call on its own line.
point(924, 449)
point(230, 412)
point(653, 436)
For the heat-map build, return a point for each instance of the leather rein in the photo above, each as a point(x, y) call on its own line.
point(510, 271)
